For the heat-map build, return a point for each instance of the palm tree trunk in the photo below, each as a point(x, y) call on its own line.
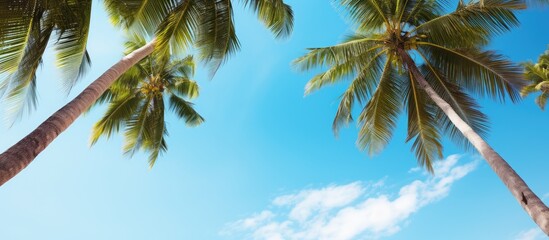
point(21, 154)
point(531, 203)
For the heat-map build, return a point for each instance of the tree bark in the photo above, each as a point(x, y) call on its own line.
point(21, 154)
point(531, 203)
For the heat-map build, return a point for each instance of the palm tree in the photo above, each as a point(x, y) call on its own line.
point(537, 74)
point(137, 102)
point(380, 62)
point(176, 25)
point(26, 28)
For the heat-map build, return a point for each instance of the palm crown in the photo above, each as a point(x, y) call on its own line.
point(137, 102)
point(537, 74)
point(378, 59)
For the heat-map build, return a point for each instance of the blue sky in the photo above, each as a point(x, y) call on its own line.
point(266, 162)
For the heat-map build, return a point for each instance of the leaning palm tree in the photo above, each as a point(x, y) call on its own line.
point(26, 28)
point(176, 26)
point(137, 102)
point(537, 74)
point(407, 55)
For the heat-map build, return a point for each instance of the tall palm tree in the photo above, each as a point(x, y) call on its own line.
point(380, 62)
point(26, 28)
point(537, 74)
point(177, 25)
point(137, 102)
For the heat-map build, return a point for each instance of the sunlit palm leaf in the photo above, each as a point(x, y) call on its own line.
point(275, 14)
point(184, 110)
point(143, 16)
point(360, 89)
point(422, 125)
point(72, 56)
point(119, 111)
point(483, 72)
point(216, 37)
point(377, 120)
point(176, 32)
point(136, 129)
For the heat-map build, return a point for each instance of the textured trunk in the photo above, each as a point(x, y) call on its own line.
point(531, 203)
point(21, 154)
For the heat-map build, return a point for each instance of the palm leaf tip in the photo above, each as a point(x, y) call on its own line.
point(275, 14)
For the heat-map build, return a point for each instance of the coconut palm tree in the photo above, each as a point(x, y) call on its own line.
point(137, 102)
point(26, 28)
point(176, 26)
point(537, 74)
point(408, 55)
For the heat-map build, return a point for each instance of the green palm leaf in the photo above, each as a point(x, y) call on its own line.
point(184, 110)
point(422, 126)
point(378, 119)
point(275, 14)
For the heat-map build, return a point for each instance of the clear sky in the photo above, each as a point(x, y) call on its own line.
point(265, 164)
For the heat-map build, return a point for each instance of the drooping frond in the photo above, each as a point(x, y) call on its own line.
point(72, 56)
point(137, 131)
point(17, 21)
point(275, 14)
point(142, 16)
point(361, 88)
point(185, 88)
point(370, 15)
point(344, 60)
point(338, 54)
point(483, 72)
point(216, 37)
point(118, 112)
point(377, 120)
point(422, 125)
point(465, 106)
point(492, 17)
point(22, 83)
point(184, 109)
point(176, 31)
point(157, 127)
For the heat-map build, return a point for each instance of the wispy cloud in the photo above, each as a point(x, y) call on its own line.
point(531, 234)
point(355, 210)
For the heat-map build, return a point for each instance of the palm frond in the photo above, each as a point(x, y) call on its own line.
point(361, 89)
point(22, 83)
point(370, 15)
point(118, 112)
point(176, 31)
point(492, 16)
point(485, 73)
point(275, 14)
point(422, 125)
point(356, 45)
point(18, 21)
point(185, 110)
point(216, 38)
point(185, 88)
point(72, 56)
point(378, 118)
point(136, 131)
point(157, 128)
point(465, 106)
point(141, 16)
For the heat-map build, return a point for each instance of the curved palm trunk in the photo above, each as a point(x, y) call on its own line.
point(531, 203)
point(21, 154)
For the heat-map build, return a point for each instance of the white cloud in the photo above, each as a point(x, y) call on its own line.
point(531, 234)
point(355, 210)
